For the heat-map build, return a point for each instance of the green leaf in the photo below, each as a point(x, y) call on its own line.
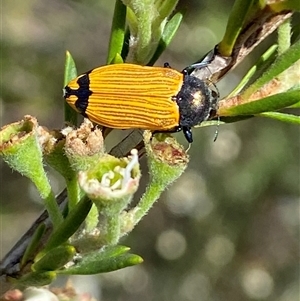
point(290, 118)
point(106, 260)
point(70, 68)
point(167, 36)
point(262, 61)
point(36, 279)
point(284, 33)
point(55, 259)
point(231, 119)
point(132, 21)
point(117, 31)
point(295, 105)
point(70, 73)
point(282, 63)
point(285, 5)
point(165, 7)
point(267, 104)
point(117, 59)
point(69, 226)
point(239, 14)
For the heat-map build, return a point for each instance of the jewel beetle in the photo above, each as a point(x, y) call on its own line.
point(160, 99)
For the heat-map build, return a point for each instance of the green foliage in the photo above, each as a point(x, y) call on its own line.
point(117, 32)
point(70, 73)
point(69, 225)
point(238, 16)
point(54, 259)
point(102, 261)
point(35, 279)
point(270, 103)
point(275, 89)
point(281, 64)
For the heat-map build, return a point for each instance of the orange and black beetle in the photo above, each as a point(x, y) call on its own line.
point(160, 99)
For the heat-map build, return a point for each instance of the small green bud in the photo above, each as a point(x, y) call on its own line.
point(84, 146)
point(167, 160)
point(21, 148)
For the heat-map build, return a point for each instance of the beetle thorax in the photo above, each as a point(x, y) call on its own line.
point(196, 101)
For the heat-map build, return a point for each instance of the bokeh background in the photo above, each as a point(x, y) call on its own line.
point(228, 229)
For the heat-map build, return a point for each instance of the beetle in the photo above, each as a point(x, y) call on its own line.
point(160, 99)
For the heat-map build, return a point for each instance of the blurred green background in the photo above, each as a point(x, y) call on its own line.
point(228, 229)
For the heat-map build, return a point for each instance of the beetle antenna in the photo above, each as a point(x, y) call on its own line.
point(217, 130)
point(189, 147)
point(208, 58)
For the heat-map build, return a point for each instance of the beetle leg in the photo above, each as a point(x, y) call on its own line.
point(204, 62)
point(187, 131)
point(175, 130)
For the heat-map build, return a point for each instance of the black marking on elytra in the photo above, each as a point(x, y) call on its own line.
point(82, 93)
